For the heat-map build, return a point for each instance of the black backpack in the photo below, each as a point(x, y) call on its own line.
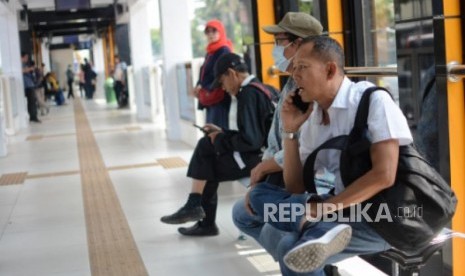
point(273, 96)
point(417, 185)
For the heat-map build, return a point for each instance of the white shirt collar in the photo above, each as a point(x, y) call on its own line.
point(247, 80)
point(342, 99)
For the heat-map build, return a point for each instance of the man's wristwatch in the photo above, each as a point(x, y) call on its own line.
point(290, 135)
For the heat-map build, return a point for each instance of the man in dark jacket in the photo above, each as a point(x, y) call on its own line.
point(222, 154)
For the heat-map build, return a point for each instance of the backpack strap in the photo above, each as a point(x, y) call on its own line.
point(262, 88)
point(361, 117)
point(338, 142)
point(341, 142)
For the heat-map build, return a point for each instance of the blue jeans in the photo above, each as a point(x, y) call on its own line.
point(364, 239)
point(276, 242)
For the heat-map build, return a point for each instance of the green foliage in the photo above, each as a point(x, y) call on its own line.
point(306, 6)
point(156, 43)
point(227, 11)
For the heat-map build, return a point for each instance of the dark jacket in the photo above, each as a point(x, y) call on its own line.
point(207, 74)
point(254, 108)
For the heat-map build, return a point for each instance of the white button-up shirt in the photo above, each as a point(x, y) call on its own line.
point(385, 121)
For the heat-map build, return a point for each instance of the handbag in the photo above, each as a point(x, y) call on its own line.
point(209, 98)
point(420, 203)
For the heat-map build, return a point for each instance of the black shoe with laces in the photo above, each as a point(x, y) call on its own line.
point(185, 214)
point(199, 231)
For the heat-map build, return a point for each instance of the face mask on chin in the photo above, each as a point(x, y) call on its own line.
point(280, 60)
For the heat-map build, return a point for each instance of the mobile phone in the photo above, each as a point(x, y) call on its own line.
point(297, 101)
point(201, 128)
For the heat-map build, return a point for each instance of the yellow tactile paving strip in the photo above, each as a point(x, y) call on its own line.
point(13, 178)
point(112, 249)
point(34, 137)
point(17, 178)
point(37, 137)
point(52, 174)
point(133, 128)
point(172, 162)
point(135, 166)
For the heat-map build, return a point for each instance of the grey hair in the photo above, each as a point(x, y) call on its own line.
point(327, 49)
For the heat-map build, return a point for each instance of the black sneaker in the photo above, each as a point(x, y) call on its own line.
point(185, 214)
point(198, 230)
point(35, 120)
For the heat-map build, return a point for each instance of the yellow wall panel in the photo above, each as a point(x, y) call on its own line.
point(451, 7)
point(456, 112)
point(266, 17)
point(335, 23)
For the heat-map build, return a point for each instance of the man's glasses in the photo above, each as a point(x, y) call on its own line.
point(207, 31)
point(279, 41)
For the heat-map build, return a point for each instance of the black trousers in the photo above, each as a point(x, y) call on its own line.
point(119, 90)
point(70, 89)
point(207, 165)
point(31, 103)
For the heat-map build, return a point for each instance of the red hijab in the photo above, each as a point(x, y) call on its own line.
point(223, 41)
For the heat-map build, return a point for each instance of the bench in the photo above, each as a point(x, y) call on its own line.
point(245, 181)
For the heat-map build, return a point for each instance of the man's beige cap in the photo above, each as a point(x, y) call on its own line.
point(297, 23)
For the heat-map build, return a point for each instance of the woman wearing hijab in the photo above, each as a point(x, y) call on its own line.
point(218, 44)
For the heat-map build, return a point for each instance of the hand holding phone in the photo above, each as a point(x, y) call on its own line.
point(297, 101)
point(202, 129)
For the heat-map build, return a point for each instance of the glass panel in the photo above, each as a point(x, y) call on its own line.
point(407, 102)
point(247, 30)
point(380, 40)
point(414, 9)
point(416, 56)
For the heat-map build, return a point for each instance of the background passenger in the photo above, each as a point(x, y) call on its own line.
point(90, 78)
point(29, 87)
point(70, 81)
point(119, 77)
point(218, 44)
point(39, 89)
point(55, 88)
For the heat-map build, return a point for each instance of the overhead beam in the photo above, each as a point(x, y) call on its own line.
point(68, 26)
point(68, 32)
point(65, 16)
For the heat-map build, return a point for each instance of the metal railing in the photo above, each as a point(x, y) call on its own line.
point(351, 72)
point(371, 71)
point(455, 71)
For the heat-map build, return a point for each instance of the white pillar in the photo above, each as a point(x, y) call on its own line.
point(141, 55)
point(99, 67)
point(11, 59)
point(177, 48)
point(45, 57)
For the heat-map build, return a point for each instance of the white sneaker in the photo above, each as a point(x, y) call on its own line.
point(312, 254)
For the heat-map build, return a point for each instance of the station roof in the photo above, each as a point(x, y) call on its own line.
point(48, 18)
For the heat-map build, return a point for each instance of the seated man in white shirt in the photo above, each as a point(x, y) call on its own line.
point(318, 70)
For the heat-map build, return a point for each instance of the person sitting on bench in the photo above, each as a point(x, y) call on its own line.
point(224, 155)
point(53, 88)
point(319, 72)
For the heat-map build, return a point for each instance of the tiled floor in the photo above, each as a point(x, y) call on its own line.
point(42, 221)
point(43, 228)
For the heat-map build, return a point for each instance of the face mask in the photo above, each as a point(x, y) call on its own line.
point(280, 60)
